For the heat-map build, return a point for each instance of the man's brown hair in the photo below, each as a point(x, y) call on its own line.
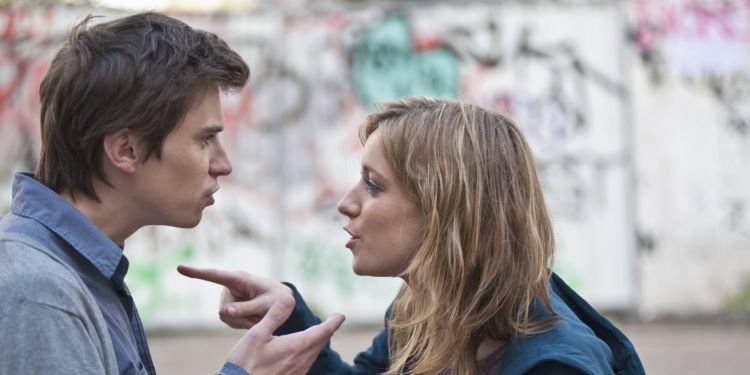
point(141, 72)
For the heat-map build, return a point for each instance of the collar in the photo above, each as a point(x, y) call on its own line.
point(33, 200)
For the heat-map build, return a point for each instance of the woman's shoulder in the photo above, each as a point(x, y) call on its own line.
point(581, 338)
point(552, 367)
point(597, 325)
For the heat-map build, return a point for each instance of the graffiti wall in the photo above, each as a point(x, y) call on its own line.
point(640, 141)
point(690, 91)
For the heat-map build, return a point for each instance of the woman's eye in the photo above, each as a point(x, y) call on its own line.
point(372, 187)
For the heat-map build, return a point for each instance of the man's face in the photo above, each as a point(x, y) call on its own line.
point(174, 189)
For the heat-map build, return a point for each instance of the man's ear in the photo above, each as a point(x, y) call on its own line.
point(121, 149)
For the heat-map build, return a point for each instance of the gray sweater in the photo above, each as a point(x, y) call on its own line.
point(49, 322)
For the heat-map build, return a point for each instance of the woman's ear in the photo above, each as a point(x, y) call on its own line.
point(121, 150)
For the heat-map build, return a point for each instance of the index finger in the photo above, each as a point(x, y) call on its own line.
point(229, 279)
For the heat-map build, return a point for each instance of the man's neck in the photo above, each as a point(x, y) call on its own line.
point(107, 213)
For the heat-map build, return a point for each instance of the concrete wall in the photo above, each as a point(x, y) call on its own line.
point(690, 90)
point(635, 113)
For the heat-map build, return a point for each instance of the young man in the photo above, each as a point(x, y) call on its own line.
point(130, 118)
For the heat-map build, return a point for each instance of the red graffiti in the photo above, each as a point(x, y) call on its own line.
point(694, 19)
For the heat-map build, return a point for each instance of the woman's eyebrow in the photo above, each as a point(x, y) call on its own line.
point(370, 171)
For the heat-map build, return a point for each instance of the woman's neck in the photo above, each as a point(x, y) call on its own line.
point(487, 347)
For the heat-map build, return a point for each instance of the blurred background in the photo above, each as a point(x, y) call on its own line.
point(638, 113)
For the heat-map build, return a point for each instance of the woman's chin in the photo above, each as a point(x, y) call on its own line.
point(361, 270)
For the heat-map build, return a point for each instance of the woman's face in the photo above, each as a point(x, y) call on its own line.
point(384, 224)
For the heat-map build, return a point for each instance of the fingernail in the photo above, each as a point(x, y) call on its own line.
point(231, 310)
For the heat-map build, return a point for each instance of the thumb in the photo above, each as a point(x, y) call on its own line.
point(276, 316)
point(333, 323)
point(322, 332)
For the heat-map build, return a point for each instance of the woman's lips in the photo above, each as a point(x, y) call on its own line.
point(352, 240)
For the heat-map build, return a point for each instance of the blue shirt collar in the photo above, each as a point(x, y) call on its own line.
point(36, 201)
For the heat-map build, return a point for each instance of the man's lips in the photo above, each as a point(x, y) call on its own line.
point(210, 196)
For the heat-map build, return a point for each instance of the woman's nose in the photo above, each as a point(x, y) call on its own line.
point(348, 206)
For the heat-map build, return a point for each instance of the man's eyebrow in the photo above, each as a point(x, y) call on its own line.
point(212, 129)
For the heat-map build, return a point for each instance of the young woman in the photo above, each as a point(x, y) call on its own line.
point(449, 201)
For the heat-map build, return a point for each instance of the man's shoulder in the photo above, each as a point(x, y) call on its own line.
point(28, 257)
point(31, 274)
point(46, 307)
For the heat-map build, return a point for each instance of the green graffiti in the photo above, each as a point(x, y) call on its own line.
point(146, 278)
point(571, 276)
point(386, 65)
point(740, 302)
point(321, 261)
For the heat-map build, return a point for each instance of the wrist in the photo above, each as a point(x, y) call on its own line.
point(233, 369)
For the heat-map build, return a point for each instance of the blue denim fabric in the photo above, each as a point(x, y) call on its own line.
point(41, 214)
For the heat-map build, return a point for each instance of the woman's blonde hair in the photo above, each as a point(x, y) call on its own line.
point(488, 240)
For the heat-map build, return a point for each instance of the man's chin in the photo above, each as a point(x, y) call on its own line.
point(187, 224)
point(193, 224)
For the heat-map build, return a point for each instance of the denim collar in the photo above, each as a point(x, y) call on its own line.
point(33, 200)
